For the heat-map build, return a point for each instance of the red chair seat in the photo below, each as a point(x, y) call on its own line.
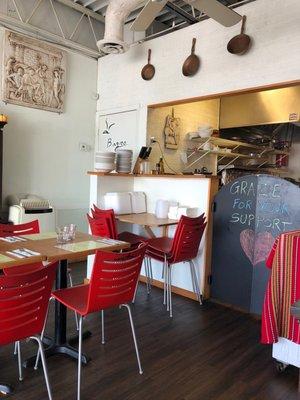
point(131, 238)
point(75, 298)
point(160, 245)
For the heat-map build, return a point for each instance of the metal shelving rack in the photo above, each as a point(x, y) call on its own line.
point(263, 156)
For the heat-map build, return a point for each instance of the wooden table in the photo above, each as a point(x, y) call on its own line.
point(148, 221)
point(50, 252)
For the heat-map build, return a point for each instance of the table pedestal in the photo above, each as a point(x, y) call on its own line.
point(5, 389)
point(60, 344)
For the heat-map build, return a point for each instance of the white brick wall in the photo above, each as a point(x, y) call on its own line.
point(274, 57)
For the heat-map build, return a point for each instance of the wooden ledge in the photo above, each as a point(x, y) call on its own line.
point(166, 176)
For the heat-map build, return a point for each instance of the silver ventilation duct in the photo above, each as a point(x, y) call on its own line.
point(115, 17)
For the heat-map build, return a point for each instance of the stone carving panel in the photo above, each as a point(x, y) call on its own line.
point(34, 73)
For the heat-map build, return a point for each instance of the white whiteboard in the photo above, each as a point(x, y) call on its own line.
point(118, 129)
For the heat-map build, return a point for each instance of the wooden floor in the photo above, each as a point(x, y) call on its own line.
point(203, 353)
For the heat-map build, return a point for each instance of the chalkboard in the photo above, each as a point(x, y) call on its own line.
point(249, 213)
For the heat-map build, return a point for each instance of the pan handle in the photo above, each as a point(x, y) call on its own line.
point(243, 24)
point(194, 45)
point(149, 56)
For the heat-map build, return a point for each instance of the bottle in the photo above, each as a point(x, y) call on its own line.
point(161, 166)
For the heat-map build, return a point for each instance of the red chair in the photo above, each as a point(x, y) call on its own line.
point(19, 230)
point(128, 237)
point(183, 248)
point(28, 228)
point(24, 303)
point(112, 284)
point(99, 226)
point(104, 224)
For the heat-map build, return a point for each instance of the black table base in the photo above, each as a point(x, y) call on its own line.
point(5, 389)
point(60, 344)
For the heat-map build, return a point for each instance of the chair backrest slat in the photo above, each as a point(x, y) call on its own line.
point(21, 229)
point(114, 278)
point(24, 302)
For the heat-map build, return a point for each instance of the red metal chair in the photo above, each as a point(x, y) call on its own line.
point(19, 230)
point(182, 248)
point(128, 237)
point(24, 303)
point(28, 228)
point(112, 284)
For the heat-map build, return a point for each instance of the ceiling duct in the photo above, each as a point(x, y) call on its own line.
point(115, 17)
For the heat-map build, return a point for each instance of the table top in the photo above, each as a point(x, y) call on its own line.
point(50, 250)
point(146, 219)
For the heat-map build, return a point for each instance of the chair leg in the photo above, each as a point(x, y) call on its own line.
point(134, 337)
point(102, 328)
point(150, 270)
point(79, 358)
point(147, 274)
point(43, 358)
point(167, 286)
point(16, 348)
point(136, 288)
point(170, 290)
point(164, 272)
point(198, 292)
point(36, 365)
point(20, 361)
point(192, 277)
point(75, 313)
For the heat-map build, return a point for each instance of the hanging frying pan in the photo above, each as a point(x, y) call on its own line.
point(148, 71)
point(240, 44)
point(192, 63)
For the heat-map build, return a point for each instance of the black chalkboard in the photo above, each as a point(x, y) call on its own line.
point(249, 213)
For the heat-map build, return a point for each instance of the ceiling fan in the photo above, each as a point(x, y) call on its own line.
point(213, 8)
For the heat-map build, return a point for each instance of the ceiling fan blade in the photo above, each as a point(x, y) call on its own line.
point(216, 10)
point(148, 14)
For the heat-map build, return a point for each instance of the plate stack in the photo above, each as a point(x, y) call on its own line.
point(105, 161)
point(124, 161)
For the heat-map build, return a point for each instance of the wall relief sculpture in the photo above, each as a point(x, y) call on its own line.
point(34, 73)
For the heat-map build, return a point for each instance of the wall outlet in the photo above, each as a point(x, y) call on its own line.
point(84, 147)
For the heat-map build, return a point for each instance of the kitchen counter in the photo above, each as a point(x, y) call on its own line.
point(181, 176)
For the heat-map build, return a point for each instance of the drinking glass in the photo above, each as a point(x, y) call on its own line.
point(72, 231)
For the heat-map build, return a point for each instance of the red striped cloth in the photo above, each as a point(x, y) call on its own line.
point(283, 290)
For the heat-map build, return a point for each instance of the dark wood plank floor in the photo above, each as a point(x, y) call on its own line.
point(208, 352)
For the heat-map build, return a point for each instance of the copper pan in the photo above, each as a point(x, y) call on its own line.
point(240, 44)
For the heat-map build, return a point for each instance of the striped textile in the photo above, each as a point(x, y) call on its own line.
point(283, 290)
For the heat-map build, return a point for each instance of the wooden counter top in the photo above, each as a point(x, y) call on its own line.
point(113, 175)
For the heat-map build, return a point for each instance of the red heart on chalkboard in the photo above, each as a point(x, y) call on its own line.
point(256, 246)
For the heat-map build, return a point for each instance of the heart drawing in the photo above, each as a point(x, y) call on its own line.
point(256, 246)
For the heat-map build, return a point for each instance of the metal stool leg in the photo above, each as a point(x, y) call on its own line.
point(134, 337)
point(16, 348)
